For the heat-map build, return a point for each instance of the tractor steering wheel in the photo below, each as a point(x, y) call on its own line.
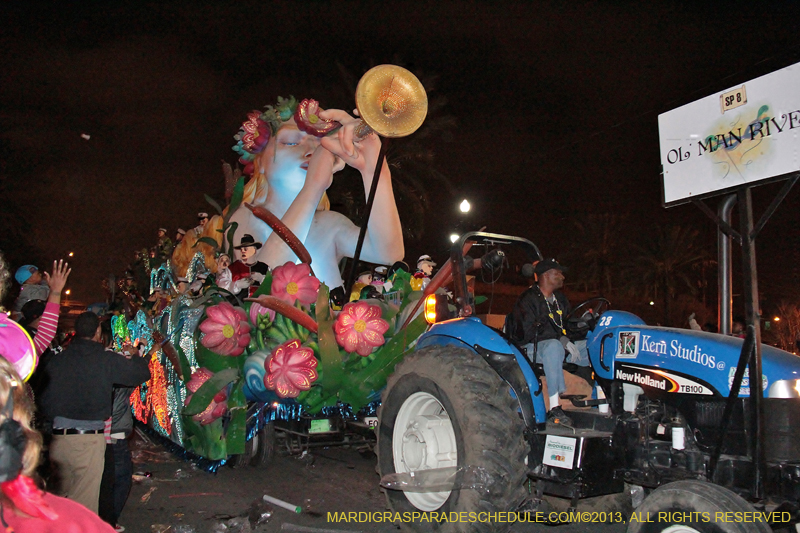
point(583, 318)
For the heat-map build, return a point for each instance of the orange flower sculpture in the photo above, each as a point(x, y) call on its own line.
point(291, 368)
point(292, 282)
point(226, 329)
point(360, 328)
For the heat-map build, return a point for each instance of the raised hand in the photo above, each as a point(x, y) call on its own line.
point(58, 278)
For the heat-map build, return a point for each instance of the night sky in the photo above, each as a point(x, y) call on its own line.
point(542, 112)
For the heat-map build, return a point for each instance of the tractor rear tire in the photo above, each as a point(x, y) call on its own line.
point(259, 450)
point(699, 501)
point(263, 445)
point(444, 406)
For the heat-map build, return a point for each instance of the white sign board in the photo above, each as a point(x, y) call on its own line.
point(742, 135)
point(559, 451)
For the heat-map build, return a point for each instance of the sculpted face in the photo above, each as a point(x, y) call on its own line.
point(285, 159)
point(247, 253)
point(223, 262)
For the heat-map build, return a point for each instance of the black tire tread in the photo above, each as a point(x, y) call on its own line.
point(696, 495)
point(487, 414)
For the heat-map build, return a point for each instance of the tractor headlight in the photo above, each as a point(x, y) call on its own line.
point(430, 309)
point(785, 388)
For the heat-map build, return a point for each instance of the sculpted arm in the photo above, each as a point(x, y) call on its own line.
point(300, 214)
point(383, 243)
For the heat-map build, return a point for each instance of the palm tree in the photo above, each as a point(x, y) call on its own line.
point(663, 266)
point(596, 248)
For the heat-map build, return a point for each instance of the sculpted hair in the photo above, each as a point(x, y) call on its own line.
point(86, 325)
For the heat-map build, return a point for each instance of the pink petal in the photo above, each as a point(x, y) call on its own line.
point(215, 314)
point(209, 326)
point(373, 338)
point(378, 325)
point(212, 339)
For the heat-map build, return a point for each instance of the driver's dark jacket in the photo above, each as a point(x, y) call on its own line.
point(530, 309)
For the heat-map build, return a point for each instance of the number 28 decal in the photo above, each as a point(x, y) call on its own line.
point(605, 321)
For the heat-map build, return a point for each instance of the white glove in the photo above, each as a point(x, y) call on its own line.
point(574, 354)
point(240, 284)
point(257, 277)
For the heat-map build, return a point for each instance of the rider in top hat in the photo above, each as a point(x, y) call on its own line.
point(247, 271)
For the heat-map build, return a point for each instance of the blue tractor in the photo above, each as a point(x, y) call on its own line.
point(462, 427)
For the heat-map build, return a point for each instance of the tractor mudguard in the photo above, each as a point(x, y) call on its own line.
point(677, 360)
point(492, 346)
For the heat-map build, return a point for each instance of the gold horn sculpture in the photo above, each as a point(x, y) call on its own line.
point(391, 101)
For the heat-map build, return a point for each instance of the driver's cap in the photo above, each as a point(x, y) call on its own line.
point(547, 264)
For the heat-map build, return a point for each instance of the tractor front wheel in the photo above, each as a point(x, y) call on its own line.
point(445, 407)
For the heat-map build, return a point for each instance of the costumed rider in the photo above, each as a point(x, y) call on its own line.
point(538, 322)
point(422, 276)
point(247, 271)
point(164, 245)
point(363, 280)
point(223, 277)
point(379, 279)
point(202, 218)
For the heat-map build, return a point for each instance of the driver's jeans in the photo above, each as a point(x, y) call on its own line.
point(550, 354)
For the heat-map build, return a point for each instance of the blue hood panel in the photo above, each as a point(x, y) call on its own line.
point(677, 360)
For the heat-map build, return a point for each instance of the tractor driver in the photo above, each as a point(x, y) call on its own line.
point(539, 323)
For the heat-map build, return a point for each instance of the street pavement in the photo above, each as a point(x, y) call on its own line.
point(171, 495)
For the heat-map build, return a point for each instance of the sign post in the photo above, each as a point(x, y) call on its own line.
point(729, 143)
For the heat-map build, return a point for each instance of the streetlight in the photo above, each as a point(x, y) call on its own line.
point(453, 237)
point(464, 206)
point(71, 254)
point(776, 319)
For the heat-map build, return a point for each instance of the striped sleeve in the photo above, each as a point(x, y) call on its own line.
point(46, 331)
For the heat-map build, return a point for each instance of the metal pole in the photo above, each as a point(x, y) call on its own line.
point(752, 314)
point(724, 268)
point(370, 200)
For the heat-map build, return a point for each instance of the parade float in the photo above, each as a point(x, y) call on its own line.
point(231, 357)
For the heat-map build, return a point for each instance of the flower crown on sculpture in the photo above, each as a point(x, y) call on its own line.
point(258, 129)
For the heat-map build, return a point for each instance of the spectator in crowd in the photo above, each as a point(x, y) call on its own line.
point(118, 469)
point(42, 318)
point(34, 287)
point(23, 506)
point(78, 420)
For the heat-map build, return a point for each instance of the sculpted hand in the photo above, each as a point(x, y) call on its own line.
point(322, 166)
point(359, 154)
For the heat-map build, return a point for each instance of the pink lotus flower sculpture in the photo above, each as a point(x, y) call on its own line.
point(308, 120)
point(226, 329)
point(256, 310)
point(218, 404)
point(291, 368)
point(360, 328)
point(256, 133)
point(292, 282)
